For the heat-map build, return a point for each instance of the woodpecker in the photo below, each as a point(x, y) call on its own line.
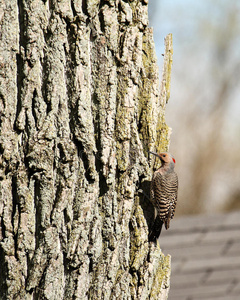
point(163, 193)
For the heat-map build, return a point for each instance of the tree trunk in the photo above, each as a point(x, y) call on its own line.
point(80, 107)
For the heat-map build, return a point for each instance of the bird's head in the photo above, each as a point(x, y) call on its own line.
point(165, 157)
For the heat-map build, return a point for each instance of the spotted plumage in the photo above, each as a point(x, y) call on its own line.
point(164, 187)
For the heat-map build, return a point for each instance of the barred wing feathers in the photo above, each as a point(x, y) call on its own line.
point(164, 195)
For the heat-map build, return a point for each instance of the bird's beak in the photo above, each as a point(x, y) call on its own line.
point(154, 153)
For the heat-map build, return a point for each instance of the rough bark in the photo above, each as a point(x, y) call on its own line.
point(80, 106)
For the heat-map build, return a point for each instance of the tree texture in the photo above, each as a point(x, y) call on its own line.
point(80, 107)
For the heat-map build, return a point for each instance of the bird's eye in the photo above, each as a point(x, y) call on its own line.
point(164, 155)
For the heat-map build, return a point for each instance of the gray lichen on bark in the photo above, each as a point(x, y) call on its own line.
point(80, 107)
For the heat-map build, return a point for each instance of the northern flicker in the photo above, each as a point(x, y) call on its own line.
point(163, 194)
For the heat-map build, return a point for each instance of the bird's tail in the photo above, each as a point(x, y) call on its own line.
point(156, 229)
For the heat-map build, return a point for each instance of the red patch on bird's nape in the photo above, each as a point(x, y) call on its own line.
point(174, 160)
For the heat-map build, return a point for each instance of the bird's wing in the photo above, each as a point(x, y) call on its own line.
point(174, 191)
point(159, 196)
point(164, 189)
